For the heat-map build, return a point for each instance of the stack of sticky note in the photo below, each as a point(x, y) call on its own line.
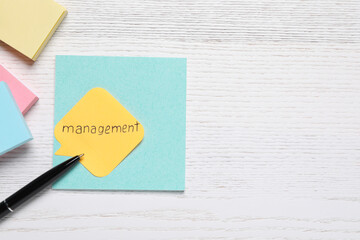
point(15, 100)
point(27, 25)
point(13, 129)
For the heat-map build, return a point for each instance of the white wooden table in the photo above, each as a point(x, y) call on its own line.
point(273, 122)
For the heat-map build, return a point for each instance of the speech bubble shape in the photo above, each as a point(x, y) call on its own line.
point(101, 128)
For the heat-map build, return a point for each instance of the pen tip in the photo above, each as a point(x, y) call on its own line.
point(81, 155)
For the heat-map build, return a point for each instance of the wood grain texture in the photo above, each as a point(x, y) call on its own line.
point(273, 122)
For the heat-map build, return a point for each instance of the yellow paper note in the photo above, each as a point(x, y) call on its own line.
point(27, 25)
point(99, 126)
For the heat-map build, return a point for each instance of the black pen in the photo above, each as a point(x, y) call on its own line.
point(11, 203)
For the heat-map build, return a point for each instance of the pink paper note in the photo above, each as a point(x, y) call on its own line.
point(24, 97)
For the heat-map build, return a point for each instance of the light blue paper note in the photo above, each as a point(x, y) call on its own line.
point(154, 91)
point(13, 129)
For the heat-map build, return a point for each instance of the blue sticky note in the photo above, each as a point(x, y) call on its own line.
point(13, 129)
point(154, 91)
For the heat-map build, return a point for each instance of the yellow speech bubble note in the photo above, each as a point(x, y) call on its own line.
point(99, 126)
